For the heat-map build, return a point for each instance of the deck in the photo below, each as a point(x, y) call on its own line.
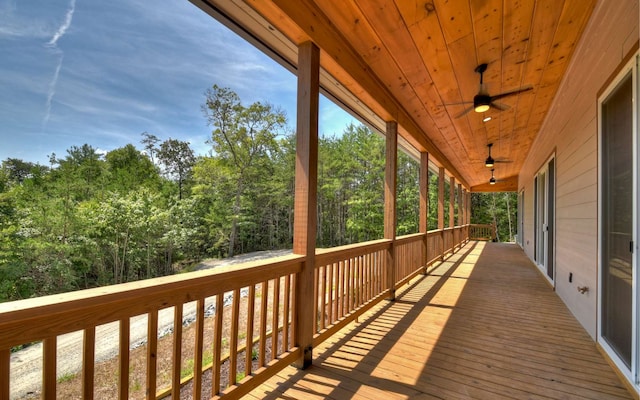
point(483, 324)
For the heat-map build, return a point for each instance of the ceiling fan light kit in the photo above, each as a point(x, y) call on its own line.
point(492, 181)
point(489, 162)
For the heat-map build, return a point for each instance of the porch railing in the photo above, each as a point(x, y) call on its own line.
point(348, 280)
point(482, 231)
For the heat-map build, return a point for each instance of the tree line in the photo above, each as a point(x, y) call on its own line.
point(89, 219)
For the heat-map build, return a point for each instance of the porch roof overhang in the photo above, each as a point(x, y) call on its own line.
point(414, 62)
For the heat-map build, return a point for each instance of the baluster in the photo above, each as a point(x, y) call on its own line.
point(251, 305)
point(233, 339)
point(198, 350)
point(286, 313)
point(330, 314)
point(152, 353)
point(123, 373)
point(177, 352)
point(88, 362)
point(275, 322)
point(5, 371)
point(49, 370)
point(217, 346)
point(263, 323)
point(323, 296)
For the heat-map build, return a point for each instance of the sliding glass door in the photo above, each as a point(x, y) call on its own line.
point(544, 218)
point(617, 215)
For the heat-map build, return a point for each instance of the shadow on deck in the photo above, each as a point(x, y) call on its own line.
point(483, 324)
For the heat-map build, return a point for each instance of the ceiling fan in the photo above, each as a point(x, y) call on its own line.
point(493, 180)
point(483, 101)
point(490, 161)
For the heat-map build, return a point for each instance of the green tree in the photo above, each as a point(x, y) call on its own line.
point(150, 141)
point(496, 208)
point(243, 138)
point(130, 169)
point(178, 160)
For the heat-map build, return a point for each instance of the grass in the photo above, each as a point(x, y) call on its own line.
point(187, 369)
point(66, 377)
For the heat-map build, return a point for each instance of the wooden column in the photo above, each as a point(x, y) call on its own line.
point(441, 211)
point(452, 199)
point(460, 208)
point(465, 230)
point(469, 208)
point(464, 206)
point(441, 198)
point(424, 205)
point(459, 222)
point(305, 200)
point(390, 173)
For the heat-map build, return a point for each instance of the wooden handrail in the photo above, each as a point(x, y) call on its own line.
point(29, 320)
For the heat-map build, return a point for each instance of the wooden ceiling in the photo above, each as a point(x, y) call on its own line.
point(413, 60)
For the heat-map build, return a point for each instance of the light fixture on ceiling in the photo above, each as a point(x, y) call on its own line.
point(481, 103)
point(486, 119)
point(489, 162)
point(492, 181)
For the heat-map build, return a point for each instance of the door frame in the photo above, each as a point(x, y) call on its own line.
point(521, 218)
point(632, 374)
point(545, 235)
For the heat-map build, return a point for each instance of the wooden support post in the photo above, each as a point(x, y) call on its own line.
point(441, 210)
point(441, 198)
point(469, 208)
point(460, 202)
point(305, 200)
point(465, 230)
point(424, 206)
point(452, 199)
point(459, 219)
point(462, 205)
point(390, 173)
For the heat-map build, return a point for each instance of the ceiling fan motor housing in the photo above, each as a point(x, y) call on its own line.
point(481, 100)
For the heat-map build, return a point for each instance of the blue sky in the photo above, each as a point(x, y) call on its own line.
point(103, 72)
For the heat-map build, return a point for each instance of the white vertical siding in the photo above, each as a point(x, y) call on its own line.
point(571, 130)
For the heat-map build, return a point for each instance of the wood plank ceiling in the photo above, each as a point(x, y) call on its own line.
point(413, 61)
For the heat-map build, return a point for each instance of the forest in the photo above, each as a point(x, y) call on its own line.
point(155, 208)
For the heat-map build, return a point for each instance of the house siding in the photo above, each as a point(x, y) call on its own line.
point(571, 132)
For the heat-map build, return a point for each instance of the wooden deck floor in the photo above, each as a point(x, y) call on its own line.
point(492, 329)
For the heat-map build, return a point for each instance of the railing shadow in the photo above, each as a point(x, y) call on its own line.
point(404, 296)
point(483, 324)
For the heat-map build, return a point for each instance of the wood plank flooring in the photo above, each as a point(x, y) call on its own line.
point(482, 325)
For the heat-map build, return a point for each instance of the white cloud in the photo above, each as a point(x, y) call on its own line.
point(53, 43)
point(26, 20)
point(62, 29)
point(51, 92)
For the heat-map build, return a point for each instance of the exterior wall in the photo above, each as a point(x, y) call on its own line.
point(571, 130)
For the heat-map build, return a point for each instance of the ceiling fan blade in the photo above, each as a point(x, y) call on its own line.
point(466, 110)
point(499, 106)
point(503, 161)
point(511, 92)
